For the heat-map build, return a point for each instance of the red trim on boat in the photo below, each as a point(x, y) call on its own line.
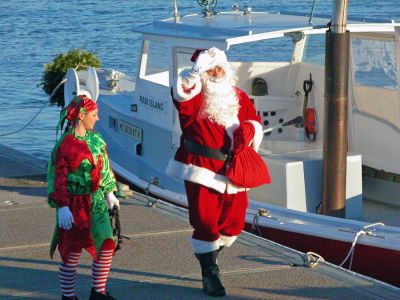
point(379, 263)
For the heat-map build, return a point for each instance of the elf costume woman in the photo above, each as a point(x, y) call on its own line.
point(80, 187)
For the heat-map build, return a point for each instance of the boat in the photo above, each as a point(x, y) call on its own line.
point(141, 126)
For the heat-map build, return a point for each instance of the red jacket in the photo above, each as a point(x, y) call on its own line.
point(202, 131)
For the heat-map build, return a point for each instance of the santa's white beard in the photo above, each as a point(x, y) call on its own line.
point(221, 104)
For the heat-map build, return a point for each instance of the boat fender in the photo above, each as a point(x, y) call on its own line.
point(310, 124)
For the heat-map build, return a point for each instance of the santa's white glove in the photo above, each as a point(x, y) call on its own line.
point(65, 218)
point(111, 200)
point(203, 63)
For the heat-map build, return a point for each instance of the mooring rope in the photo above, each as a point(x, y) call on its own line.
point(311, 259)
point(43, 106)
point(361, 231)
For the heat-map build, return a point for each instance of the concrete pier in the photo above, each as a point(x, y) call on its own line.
point(157, 262)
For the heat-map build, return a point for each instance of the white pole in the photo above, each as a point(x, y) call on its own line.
point(339, 16)
point(176, 13)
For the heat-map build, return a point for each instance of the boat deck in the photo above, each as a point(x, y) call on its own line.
point(157, 262)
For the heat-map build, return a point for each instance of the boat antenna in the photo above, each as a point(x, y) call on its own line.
point(208, 5)
point(312, 12)
point(176, 13)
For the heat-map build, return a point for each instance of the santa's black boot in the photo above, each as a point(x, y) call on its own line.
point(210, 272)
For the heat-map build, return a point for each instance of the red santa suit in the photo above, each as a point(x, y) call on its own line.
point(217, 207)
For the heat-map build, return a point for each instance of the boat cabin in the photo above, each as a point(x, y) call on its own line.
point(274, 56)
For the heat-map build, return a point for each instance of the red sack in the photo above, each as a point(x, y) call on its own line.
point(248, 169)
point(243, 136)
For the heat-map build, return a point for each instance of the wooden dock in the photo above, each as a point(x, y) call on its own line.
point(157, 262)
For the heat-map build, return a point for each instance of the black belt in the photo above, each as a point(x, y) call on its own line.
point(206, 151)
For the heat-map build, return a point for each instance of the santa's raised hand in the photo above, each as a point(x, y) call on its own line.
point(204, 62)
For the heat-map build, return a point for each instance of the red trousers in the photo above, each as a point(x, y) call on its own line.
point(213, 214)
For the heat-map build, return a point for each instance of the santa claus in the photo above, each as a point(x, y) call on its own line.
point(218, 121)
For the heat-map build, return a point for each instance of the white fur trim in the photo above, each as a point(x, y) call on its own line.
point(258, 135)
point(231, 125)
point(227, 241)
point(218, 56)
point(202, 176)
point(204, 246)
point(186, 80)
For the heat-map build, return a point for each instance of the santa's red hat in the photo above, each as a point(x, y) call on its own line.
point(196, 54)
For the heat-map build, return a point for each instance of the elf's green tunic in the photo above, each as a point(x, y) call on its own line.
point(79, 174)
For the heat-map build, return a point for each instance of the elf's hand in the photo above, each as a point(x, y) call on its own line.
point(111, 200)
point(65, 218)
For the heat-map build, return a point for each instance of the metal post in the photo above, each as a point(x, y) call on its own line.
point(176, 13)
point(336, 105)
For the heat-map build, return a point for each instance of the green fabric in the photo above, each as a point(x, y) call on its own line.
point(100, 221)
point(79, 182)
point(61, 121)
point(97, 146)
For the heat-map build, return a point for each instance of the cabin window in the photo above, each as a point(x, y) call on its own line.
point(314, 49)
point(262, 51)
point(374, 63)
point(183, 57)
point(156, 62)
point(374, 75)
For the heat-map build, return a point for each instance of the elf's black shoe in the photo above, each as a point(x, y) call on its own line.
point(69, 298)
point(212, 284)
point(99, 296)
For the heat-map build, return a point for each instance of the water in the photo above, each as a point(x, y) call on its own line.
point(32, 32)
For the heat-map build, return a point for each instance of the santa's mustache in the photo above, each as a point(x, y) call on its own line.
point(217, 86)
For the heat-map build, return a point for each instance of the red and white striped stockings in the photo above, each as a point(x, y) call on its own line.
point(100, 270)
point(68, 274)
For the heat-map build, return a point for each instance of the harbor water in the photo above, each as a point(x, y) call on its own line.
point(33, 32)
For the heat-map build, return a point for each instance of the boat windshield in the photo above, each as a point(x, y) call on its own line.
point(156, 62)
point(262, 51)
point(374, 62)
point(314, 49)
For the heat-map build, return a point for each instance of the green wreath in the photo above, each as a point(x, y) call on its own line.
point(55, 71)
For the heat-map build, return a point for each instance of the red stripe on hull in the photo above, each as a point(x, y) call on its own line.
point(379, 263)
